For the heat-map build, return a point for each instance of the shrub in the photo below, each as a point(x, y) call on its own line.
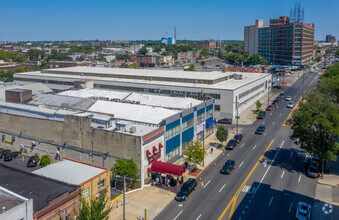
point(45, 160)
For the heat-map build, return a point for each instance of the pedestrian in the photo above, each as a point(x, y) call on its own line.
point(169, 181)
point(166, 181)
point(157, 181)
point(211, 150)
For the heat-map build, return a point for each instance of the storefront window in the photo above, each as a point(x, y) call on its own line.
point(200, 117)
point(187, 124)
point(101, 184)
point(172, 132)
point(172, 154)
point(209, 113)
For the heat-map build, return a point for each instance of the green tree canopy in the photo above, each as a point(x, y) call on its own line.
point(126, 168)
point(45, 160)
point(123, 57)
point(143, 50)
point(102, 59)
point(195, 153)
point(222, 134)
point(96, 208)
point(35, 54)
point(204, 53)
point(56, 56)
point(123, 65)
point(12, 56)
point(134, 66)
point(258, 104)
point(190, 68)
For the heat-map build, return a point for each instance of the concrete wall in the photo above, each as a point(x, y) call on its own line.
point(73, 138)
point(21, 211)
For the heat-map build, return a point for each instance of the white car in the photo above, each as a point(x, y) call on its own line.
point(290, 105)
point(287, 74)
point(303, 213)
point(288, 98)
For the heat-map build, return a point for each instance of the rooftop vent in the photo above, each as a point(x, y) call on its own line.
point(3, 209)
point(132, 129)
point(237, 76)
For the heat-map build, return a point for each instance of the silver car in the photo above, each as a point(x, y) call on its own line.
point(290, 105)
point(288, 98)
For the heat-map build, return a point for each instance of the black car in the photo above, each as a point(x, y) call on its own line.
point(228, 167)
point(275, 101)
point(281, 94)
point(189, 186)
point(261, 115)
point(225, 121)
point(278, 87)
point(3, 152)
point(313, 172)
point(231, 144)
point(260, 129)
point(238, 137)
point(33, 161)
point(10, 156)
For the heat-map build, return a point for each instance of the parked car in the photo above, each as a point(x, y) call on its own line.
point(261, 115)
point(260, 129)
point(225, 121)
point(33, 161)
point(282, 95)
point(287, 74)
point(288, 98)
point(275, 101)
point(11, 156)
point(278, 87)
point(278, 98)
point(228, 167)
point(269, 108)
point(303, 211)
point(313, 171)
point(3, 152)
point(231, 144)
point(238, 138)
point(290, 104)
point(189, 186)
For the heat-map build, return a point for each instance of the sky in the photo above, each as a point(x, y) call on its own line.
point(33, 20)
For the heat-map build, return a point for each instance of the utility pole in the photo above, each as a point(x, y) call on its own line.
point(237, 116)
point(268, 94)
point(124, 217)
point(203, 129)
point(302, 94)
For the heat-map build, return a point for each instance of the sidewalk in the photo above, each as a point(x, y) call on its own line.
point(152, 199)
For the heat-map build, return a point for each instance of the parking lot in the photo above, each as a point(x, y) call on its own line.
point(19, 163)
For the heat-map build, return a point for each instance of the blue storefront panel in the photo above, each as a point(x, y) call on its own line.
point(187, 117)
point(187, 135)
point(172, 124)
point(200, 111)
point(209, 107)
point(172, 143)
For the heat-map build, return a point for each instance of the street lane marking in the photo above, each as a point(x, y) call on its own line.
point(270, 114)
point(246, 207)
point(279, 115)
point(282, 174)
point(299, 178)
point(178, 215)
point(265, 163)
point(234, 198)
point(243, 212)
point(270, 202)
point(254, 147)
point(263, 122)
point(273, 123)
point(291, 154)
point(207, 183)
point(241, 164)
point(289, 210)
point(222, 187)
point(297, 104)
point(198, 217)
point(242, 145)
point(269, 167)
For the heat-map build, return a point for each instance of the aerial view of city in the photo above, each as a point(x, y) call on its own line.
point(169, 110)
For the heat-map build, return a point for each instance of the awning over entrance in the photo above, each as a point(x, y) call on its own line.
point(167, 168)
point(210, 123)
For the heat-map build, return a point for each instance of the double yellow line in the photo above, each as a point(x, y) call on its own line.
point(235, 197)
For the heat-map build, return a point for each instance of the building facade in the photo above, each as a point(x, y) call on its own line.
point(251, 37)
point(286, 43)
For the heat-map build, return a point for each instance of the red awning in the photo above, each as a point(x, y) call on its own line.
point(154, 149)
point(167, 168)
point(160, 145)
point(148, 153)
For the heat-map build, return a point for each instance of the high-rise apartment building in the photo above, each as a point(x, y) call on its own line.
point(285, 43)
point(330, 38)
point(251, 36)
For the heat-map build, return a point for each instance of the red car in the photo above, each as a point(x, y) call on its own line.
point(278, 98)
point(269, 108)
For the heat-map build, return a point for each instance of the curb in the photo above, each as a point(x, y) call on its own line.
point(116, 198)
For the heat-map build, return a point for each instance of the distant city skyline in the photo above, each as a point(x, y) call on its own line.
point(151, 19)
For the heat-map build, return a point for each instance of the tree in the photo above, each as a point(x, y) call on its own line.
point(221, 54)
point(318, 59)
point(191, 68)
point(337, 52)
point(96, 208)
point(45, 160)
point(258, 104)
point(35, 54)
point(204, 53)
point(222, 134)
point(195, 153)
point(102, 59)
point(143, 50)
point(126, 168)
point(123, 65)
point(123, 57)
point(329, 83)
point(315, 125)
point(134, 66)
point(157, 49)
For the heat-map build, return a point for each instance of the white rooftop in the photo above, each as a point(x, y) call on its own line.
point(144, 99)
point(69, 171)
point(133, 112)
point(141, 72)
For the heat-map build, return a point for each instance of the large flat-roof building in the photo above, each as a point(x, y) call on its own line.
point(251, 36)
point(233, 92)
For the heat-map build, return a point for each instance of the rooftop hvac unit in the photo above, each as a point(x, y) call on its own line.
point(237, 76)
point(133, 102)
point(107, 99)
point(132, 129)
point(137, 102)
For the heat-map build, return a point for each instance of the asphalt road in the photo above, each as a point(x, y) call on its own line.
point(268, 179)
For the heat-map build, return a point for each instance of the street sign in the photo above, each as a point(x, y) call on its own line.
point(237, 117)
point(85, 193)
